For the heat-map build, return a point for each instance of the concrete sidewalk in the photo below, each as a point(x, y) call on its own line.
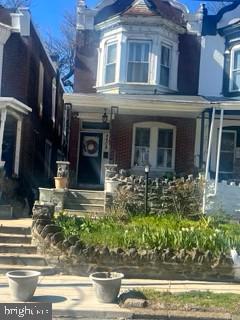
point(73, 296)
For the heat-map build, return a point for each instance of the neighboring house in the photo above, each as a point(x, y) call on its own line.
point(136, 82)
point(219, 81)
point(31, 104)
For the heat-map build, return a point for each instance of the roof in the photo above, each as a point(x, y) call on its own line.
point(155, 8)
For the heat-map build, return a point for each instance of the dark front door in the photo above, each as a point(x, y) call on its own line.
point(90, 158)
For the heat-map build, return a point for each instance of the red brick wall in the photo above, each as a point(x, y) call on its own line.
point(122, 133)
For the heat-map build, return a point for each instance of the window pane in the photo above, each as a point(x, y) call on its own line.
point(164, 76)
point(165, 138)
point(237, 59)
point(142, 137)
point(137, 72)
point(141, 156)
point(160, 158)
point(236, 80)
point(165, 56)
point(138, 50)
point(111, 53)
point(146, 52)
point(169, 158)
point(228, 141)
point(110, 73)
point(226, 162)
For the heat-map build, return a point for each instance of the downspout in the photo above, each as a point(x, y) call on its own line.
point(208, 159)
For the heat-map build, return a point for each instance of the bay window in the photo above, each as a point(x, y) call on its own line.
point(154, 144)
point(138, 61)
point(165, 61)
point(235, 70)
point(110, 65)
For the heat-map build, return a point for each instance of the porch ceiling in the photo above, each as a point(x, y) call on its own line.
point(14, 105)
point(166, 105)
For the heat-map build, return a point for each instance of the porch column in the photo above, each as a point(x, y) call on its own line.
point(18, 147)
point(3, 115)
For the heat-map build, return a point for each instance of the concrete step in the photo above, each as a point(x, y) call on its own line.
point(86, 207)
point(17, 248)
point(22, 259)
point(15, 230)
point(86, 194)
point(45, 270)
point(12, 238)
point(6, 211)
point(79, 200)
point(84, 213)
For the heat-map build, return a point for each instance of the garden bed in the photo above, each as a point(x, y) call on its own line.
point(162, 247)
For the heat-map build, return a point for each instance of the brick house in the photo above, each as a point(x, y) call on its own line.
point(31, 104)
point(142, 89)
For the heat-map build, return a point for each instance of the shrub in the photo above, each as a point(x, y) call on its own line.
point(179, 196)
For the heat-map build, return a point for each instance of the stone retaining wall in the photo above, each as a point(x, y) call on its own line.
point(72, 256)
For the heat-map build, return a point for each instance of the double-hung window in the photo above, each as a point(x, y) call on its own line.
point(142, 146)
point(110, 65)
point(165, 148)
point(138, 61)
point(165, 64)
point(235, 70)
point(154, 144)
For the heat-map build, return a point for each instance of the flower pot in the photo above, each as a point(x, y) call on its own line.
point(107, 285)
point(61, 182)
point(22, 284)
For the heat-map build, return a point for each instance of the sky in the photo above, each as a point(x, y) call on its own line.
point(48, 14)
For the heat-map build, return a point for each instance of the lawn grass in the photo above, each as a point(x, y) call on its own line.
point(194, 300)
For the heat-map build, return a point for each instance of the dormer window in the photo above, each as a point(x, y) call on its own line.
point(165, 63)
point(235, 69)
point(110, 66)
point(138, 61)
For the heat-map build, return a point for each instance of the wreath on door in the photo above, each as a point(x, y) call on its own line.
point(91, 146)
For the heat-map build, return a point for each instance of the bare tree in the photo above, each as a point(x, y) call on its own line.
point(63, 49)
point(14, 4)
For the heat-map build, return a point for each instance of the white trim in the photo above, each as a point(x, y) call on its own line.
point(153, 146)
point(233, 51)
point(197, 143)
point(18, 147)
point(110, 43)
point(3, 114)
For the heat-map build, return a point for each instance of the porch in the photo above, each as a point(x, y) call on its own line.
point(133, 130)
point(12, 112)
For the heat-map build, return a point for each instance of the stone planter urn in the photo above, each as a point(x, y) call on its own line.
point(62, 178)
point(22, 284)
point(107, 285)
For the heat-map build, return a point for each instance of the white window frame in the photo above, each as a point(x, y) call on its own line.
point(54, 99)
point(149, 59)
point(164, 44)
point(109, 43)
point(40, 87)
point(153, 148)
point(233, 50)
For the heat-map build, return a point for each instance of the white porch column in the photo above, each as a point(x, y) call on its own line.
point(18, 146)
point(3, 115)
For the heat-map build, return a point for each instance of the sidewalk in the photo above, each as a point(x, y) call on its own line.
point(73, 296)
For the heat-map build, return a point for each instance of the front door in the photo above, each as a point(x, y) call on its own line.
point(227, 151)
point(90, 158)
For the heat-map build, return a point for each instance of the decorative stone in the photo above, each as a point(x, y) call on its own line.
point(133, 252)
point(57, 237)
point(135, 303)
point(50, 228)
point(73, 239)
point(42, 211)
